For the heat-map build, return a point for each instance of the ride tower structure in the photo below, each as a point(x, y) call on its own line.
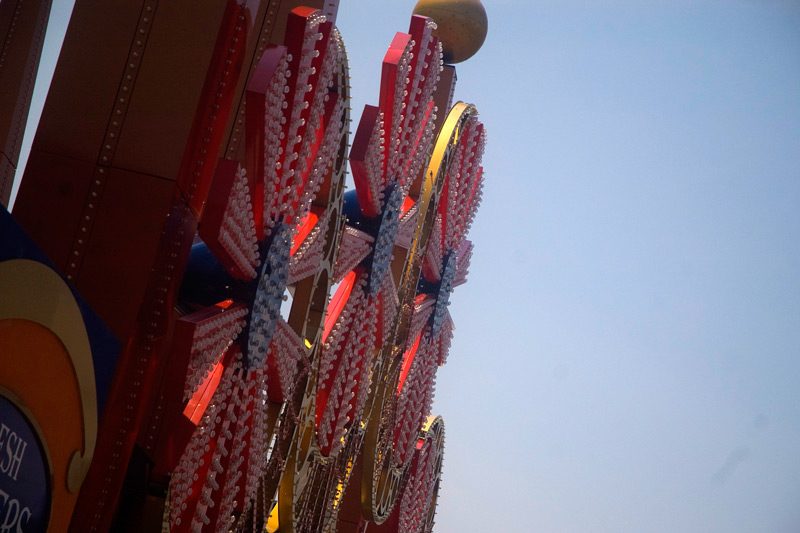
point(277, 338)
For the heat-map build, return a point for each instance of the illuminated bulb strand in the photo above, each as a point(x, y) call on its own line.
point(286, 350)
point(233, 469)
point(343, 371)
point(298, 105)
point(451, 200)
point(185, 476)
point(462, 189)
point(462, 263)
point(373, 163)
point(464, 183)
point(418, 494)
point(324, 160)
point(434, 255)
point(293, 173)
point(256, 464)
point(337, 335)
point(415, 132)
point(354, 246)
point(246, 462)
point(408, 226)
point(308, 258)
point(224, 420)
point(344, 378)
point(273, 141)
point(347, 353)
point(415, 400)
point(237, 233)
point(358, 377)
point(470, 184)
point(426, 135)
point(422, 313)
point(445, 338)
point(322, 94)
point(304, 119)
point(326, 156)
point(333, 371)
point(211, 339)
point(394, 133)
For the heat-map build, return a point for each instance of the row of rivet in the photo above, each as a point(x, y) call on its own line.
point(10, 35)
point(132, 63)
point(236, 137)
point(212, 120)
point(31, 68)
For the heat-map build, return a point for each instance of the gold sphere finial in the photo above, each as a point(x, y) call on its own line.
point(462, 26)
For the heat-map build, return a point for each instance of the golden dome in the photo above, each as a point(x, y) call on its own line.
point(462, 26)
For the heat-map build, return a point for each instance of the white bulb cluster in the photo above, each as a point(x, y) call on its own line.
point(224, 424)
point(451, 200)
point(478, 178)
point(269, 295)
point(445, 338)
point(237, 233)
point(354, 246)
point(316, 104)
point(286, 350)
point(462, 265)
point(434, 255)
point(373, 164)
point(325, 158)
point(184, 484)
point(232, 469)
point(256, 461)
point(418, 493)
point(408, 227)
point(273, 139)
point(422, 144)
point(308, 259)
point(316, 18)
point(420, 317)
point(219, 471)
point(338, 335)
point(413, 112)
point(211, 339)
point(345, 369)
point(414, 400)
point(465, 182)
point(302, 119)
point(224, 455)
point(395, 131)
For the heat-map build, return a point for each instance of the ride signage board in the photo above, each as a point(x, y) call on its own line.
point(24, 474)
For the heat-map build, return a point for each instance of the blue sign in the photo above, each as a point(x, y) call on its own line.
point(24, 474)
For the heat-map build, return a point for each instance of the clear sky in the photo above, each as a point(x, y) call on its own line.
point(627, 352)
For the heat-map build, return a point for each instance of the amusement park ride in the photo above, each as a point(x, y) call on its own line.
point(200, 330)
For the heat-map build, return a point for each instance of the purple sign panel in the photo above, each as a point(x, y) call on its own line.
point(24, 474)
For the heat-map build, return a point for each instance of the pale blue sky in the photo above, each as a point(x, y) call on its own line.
point(627, 352)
